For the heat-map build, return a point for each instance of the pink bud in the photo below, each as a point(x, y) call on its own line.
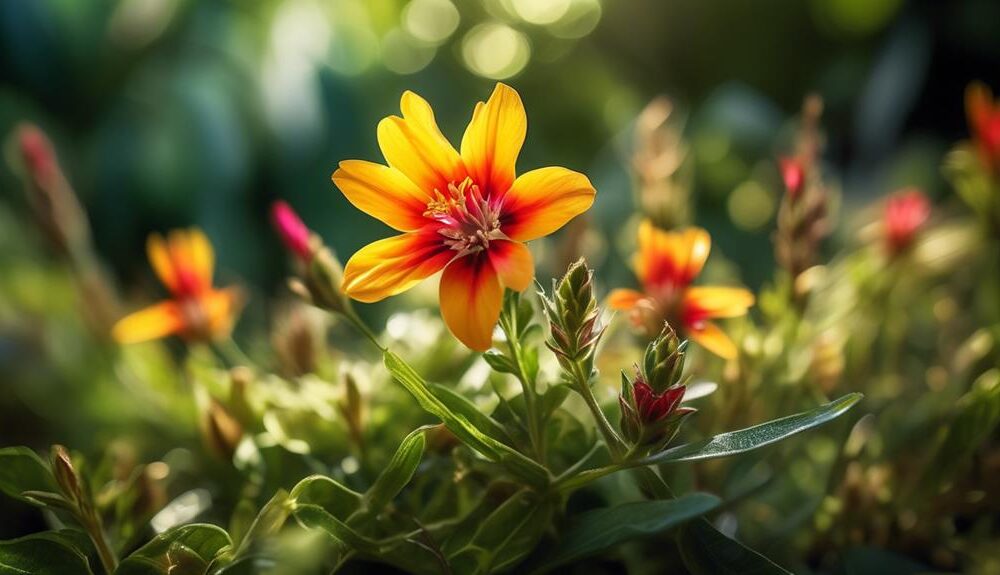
point(793, 173)
point(905, 213)
point(292, 230)
point(36, 151)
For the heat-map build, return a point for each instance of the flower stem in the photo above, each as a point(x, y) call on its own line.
point(615, 444)
point(361, 326)
point(530, 400)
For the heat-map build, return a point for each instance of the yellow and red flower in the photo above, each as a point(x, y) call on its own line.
point(666, 265)
point(984, 120)
point(196, 310)
point(465, 212)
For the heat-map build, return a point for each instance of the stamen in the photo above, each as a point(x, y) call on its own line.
point(470, 220)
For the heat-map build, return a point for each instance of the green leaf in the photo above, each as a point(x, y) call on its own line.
point(705, 551)
point(594, 531)
point(506, 536)
point(462, 426)
point(269, 521)
point(499, 362)
point(22, 470)
point(328, 494)
point(743, 440)
point(729, 443)
point(42, 554)
point(315, 517)
point(459, 404)
point(398, 472)
point(184, 549)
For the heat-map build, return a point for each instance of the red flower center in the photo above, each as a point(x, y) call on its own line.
point(469, 220)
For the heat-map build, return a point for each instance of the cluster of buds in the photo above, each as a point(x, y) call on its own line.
point(662, 185)
point(803, 215)
point(905, 214)
point(574, 318)
point(320, 273)
point(651, 402)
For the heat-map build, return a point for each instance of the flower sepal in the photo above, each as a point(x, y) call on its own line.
point(650, 420)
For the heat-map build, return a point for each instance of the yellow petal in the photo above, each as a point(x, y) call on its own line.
point(154, 322)
point(382, 192)
point(221, 307)
point(709, 336)
point(707, 302)
point(190, 249)
point(393, 265)
point(543, 200)
point(493, 140)
point(624, 299)
point(471, 295)
point(415, 146)
point(670, 258)
point(513, 263)
point(159, 259)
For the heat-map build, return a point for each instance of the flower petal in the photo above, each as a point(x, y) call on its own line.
point(471, 295)
point(415, 146)
point(393, 265)
point(543, 200)
point(382, 192)
point(708, 302)
point(156, 321)
point(221, 308)
point(493, 140)
point(670, 258)
point(513, 263)
point(978, 104)
point(183, 261)
point(709, 336)
point(624, 299)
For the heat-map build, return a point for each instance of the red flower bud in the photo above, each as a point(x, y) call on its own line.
point(905, 213)
point(292, 230)
point(36, 151)
point(652, 406)
point(793, 173)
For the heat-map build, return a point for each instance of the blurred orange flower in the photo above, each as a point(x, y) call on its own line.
point(196, 310)
point(666, 265)
point(465, 212)
point(984, 120)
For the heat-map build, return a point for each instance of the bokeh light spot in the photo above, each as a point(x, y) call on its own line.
point(541, 11)
point(402, 54)
point(495, 51)
point(432, 21)
point(579, 20)
point(750, 206)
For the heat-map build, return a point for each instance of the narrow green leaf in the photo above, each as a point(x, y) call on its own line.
point(22, 470)
point(977, 416)
point(42, 554)
point(398, 472)
point(601, 529)
point(323, 491)
point(743, 440)
point(462, 427)
point(459, 404)
point(269, 521)
point(186, 545)
point(705, 551)
point(506, 535)
point(315, 517)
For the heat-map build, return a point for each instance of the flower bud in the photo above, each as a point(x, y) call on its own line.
point(221, 431)
point(793, 173)
point(292, 230)
point(650, 418)
point(66, 475)
point(905, 214)
point(574, 316)
point(663, 361)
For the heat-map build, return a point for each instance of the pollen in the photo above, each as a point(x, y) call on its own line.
point(469, 220)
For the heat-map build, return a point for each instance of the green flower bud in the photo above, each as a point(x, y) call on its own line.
point(663, 362)
point(574, 318)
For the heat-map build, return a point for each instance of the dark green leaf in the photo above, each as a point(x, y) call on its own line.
point(595, 531)
point(705, 551)
point(22, 470)
point(743, 440)
point(398, 472)
point(42, 554)
point(977, 415)
point(185, 546)
point(462, 427)
point(499, 362)
point(506, 536)
point(462, 406)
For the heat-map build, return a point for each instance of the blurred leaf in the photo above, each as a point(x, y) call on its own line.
point(743, 440)
point(191, 546)
point(269, 521)
point(707, 552)
point(461, 425)
point(398, 472)
point(872, 561)
point(553, 398)
point(594, 531)
point(506, 536)
point(45, 553)
point(22, 470)
point(315, 517)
